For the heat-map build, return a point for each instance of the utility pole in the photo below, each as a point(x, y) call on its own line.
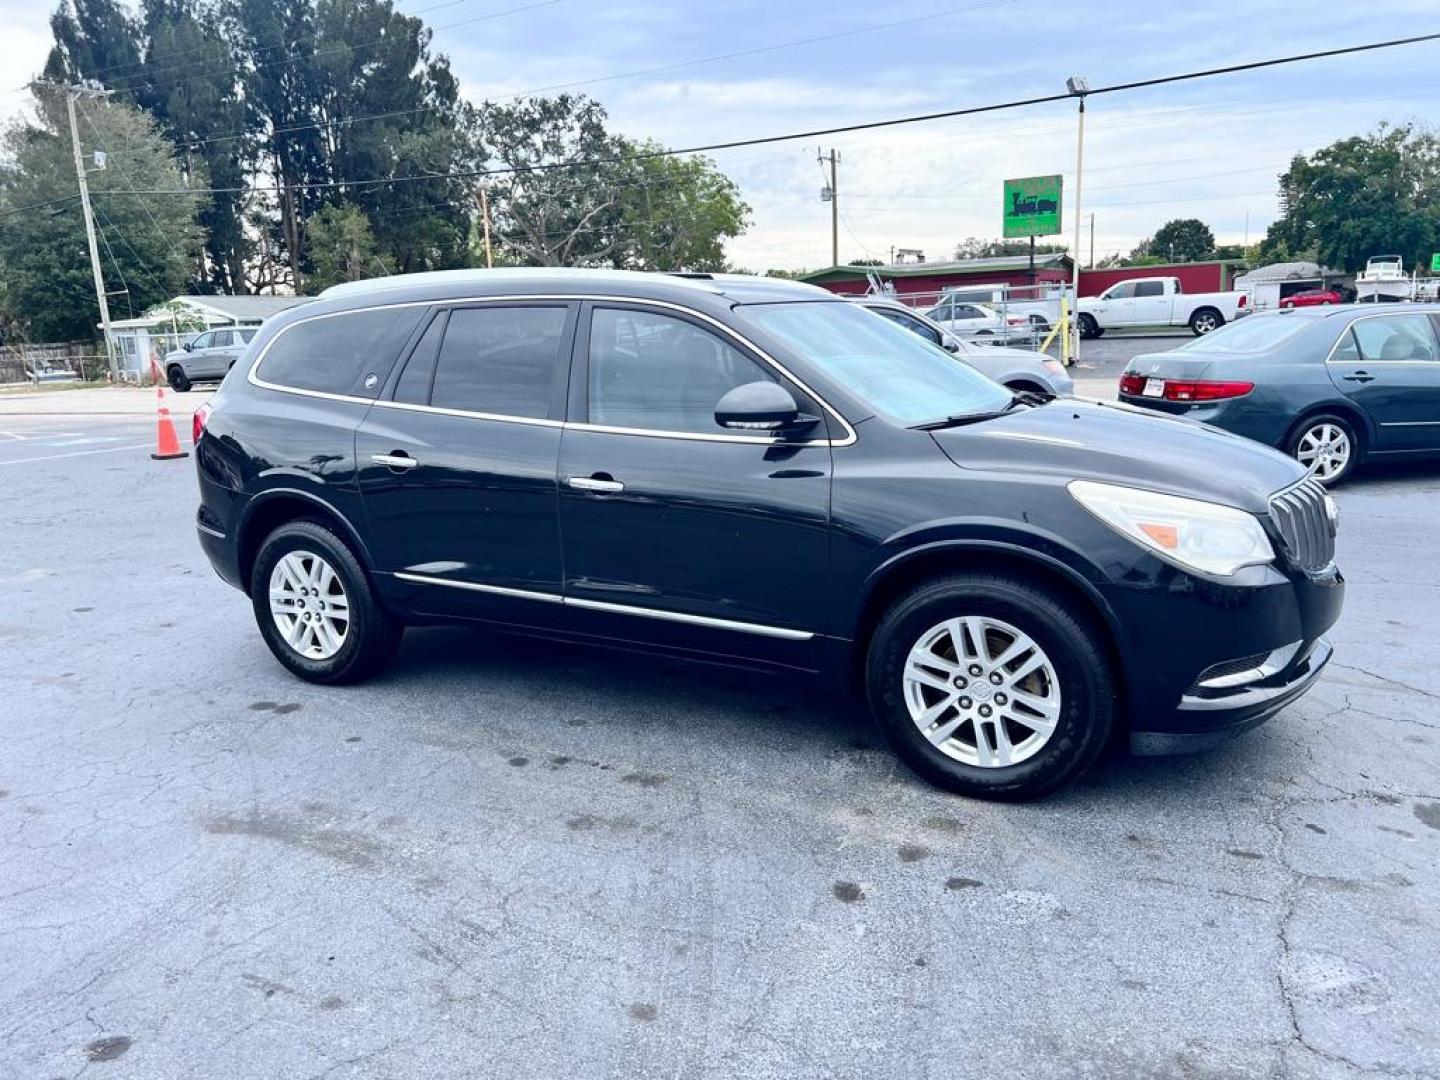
point(1078, 88)
point(1092, 239)
point(832, 195)
point(485, 223)
point(71, 93)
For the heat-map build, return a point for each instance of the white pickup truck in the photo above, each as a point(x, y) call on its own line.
point(1157, 301)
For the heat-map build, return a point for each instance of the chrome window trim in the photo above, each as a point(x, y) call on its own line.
point(1330, 356)
point(617, 609)
point(254, 379)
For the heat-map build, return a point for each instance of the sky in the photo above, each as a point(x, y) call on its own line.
point(690, 72)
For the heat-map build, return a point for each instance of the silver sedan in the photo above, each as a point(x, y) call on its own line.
point(1019, 369)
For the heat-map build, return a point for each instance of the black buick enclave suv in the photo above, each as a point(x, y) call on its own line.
point(753, 471)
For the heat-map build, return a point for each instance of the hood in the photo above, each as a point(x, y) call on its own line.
point(1118, 444)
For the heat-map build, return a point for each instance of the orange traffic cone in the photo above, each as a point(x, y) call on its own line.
point(167, 444)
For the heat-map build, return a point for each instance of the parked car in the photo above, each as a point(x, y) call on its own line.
point(1039, 305)
point(208, 357)
point(1019, 369)
point(1157, 301)
point(1312, 298)
point(981, 322)
point(757, 472)
point(1330, 386)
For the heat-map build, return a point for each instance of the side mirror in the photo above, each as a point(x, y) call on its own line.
point(949, 346)
point(189, 346)
point(760, 406)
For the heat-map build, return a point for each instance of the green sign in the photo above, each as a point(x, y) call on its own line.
point(1032, 206)
point(1435, 263)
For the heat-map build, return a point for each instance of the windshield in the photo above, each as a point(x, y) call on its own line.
point(894, 371)
point(1257, 334)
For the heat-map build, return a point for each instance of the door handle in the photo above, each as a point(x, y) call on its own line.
point(1359, 376)
point(595, 483)
point(397, 460)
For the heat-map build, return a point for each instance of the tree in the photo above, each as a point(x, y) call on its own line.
point(148, 243)
point(865, 262)
point(342, 247)
point(1366, 195)
point(1182, 240)
point(974, 247)
point(675, 213)
point(627, 207)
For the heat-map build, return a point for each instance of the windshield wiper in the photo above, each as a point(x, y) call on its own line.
point(1024, 397)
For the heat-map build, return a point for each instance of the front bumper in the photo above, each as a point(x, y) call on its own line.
point(1198, 654)
point(1237, 710)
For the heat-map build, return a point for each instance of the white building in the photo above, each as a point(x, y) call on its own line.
point(167, 327)
point(1268, 285)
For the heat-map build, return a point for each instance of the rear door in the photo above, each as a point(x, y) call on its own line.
point(677, 531)
point(1151, 305)
point(1389, 365)
point(216, 358)
point(457, 463)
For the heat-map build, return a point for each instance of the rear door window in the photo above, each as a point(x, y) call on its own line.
point(350, 353)
point(1149, 288)
point(1395, 338)
point(500, 360)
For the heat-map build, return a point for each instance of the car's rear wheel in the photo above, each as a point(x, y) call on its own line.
point(1205, 321)
point(991, 686)
point(178, 380)
point(1327, 446)
point(316, 608)
point(1089, 328)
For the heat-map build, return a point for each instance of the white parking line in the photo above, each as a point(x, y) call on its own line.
point(77, 453)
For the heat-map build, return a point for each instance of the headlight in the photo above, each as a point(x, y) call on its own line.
point(1197, 535)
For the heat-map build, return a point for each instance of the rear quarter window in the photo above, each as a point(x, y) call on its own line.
point(338, 354)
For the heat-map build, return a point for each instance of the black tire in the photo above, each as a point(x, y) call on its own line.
point(178, 380)
point(1205, 320)
point(1089, 328)
point(1070, 640)
point(1040, 324)
point(1357, 444)
point(372, 635)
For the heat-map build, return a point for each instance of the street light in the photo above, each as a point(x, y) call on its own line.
point(1078, 87)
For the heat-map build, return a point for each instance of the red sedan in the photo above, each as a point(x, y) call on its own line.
point(1312, 298)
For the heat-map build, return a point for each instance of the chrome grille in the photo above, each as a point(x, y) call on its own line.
point(1305, 531)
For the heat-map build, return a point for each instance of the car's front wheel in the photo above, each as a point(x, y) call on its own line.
point(178, 380)
point(1328, 446)
point(316, 608)
point(1089, 328)
point(991, 686)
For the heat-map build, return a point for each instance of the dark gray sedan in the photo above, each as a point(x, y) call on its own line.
point(1331, 386)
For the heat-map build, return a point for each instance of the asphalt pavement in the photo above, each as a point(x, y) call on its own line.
point(506, 858)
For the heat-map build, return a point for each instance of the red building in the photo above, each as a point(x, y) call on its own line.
point(925, 280)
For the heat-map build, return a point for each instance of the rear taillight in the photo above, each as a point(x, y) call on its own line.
point(1241, 304)
point(1205, 390)
point(197, 422)
point(1184, 389)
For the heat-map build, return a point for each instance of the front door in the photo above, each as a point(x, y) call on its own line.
point(457, 464)
point(1389, 365)
point(676, 531)
point(1151, 306)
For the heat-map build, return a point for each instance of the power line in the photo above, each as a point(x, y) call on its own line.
point(972, 110)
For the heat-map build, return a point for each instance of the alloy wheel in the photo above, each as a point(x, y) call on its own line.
point(1204, 324)
point(1325, 451)
point(982, 691)
point(309, 605)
